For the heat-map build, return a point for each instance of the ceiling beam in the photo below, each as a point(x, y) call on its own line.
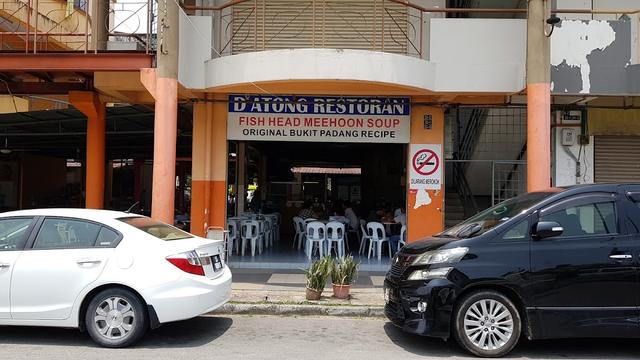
point(74, 62)
point(40, 88)
point(44, 76)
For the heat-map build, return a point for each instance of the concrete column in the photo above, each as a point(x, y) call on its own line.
point(209, 166)
point(538, 98)
point(166, 114)
point(89, 104)
point(242, 177)
point(99, 24)
point(425, 218)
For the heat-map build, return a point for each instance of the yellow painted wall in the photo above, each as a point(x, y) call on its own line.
point(614, 122)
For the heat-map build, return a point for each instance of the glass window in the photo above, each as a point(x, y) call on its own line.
point(518, 232)
point(66, 234)
point(160, 230)
point(13, 233)
point(496, 215)
point(107, 238)
point(589, 219)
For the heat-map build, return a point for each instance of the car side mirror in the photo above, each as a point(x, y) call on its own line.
point(547, 229)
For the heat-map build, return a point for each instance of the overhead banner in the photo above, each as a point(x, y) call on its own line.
point(319, 118)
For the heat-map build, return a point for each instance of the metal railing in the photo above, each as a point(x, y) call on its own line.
point(33, 26)
point(255, 25)
point(508, 179)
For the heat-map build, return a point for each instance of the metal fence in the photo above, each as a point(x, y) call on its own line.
point(52, 25)
point(255, 25)
point(498, 180)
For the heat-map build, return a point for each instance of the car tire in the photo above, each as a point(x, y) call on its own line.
point(487, 324)
point(116, 318)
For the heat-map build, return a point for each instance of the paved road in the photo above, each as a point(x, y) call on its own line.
point(270, 337)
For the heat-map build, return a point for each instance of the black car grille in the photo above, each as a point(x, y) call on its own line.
point(400, 264)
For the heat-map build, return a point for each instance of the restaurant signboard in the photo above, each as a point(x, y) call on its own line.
point(319, 118)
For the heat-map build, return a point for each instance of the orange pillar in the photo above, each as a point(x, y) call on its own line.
point(538, 136)
point(538, 98)
point(89, 104)
point(209, 166)
point(425, 218)
point(165, 131)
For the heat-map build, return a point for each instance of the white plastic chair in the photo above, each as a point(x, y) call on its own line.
point(403, 239)
point(232, 238)
point(268, 232)
point(364, 236)
point(335, 234)
point(301, 232)
point(250, 233)
point(377, 236)
point(275, 227)
point(316, 235)
point(261, 237)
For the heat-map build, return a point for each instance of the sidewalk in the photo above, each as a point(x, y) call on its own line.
point(257, 291)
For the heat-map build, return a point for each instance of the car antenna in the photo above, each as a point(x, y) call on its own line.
point(132, 206)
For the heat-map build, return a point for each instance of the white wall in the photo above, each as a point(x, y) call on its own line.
point(564, 158)
point(464, 48)
point(195, 49)
point(479, 41)
point(466, 55)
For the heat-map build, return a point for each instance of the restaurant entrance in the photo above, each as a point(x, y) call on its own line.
point(285, 181)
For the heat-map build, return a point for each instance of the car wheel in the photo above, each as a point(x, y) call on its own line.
point(116, 318)
point(487, 324)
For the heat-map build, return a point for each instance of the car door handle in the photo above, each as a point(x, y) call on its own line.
point(620, 257)
point(4, 265)
point(88, 261)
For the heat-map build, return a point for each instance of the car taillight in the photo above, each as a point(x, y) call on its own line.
point(188, 262)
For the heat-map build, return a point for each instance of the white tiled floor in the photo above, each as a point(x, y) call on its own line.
point(283, 256)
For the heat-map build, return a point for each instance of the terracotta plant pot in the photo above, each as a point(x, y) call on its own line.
point(341, 291)
point(312, 294)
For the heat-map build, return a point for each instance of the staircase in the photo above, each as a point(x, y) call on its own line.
point(453, 209)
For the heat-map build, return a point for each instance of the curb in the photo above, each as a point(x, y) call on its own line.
point(293, 309)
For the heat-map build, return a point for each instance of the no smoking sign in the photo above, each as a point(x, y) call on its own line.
point(426, 167)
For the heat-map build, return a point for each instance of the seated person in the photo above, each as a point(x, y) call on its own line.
point(402, 220)
point(306, 212)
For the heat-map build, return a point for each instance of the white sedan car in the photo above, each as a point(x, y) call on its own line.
point(112, 274)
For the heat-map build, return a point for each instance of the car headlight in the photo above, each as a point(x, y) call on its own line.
point(446, 256)
point(430, 274)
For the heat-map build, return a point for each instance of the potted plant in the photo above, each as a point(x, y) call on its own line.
point(343, 274)
point(317, 275)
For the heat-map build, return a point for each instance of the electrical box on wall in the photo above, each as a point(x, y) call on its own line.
point(583, 139)
point(569, 137)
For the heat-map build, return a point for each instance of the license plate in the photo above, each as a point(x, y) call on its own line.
point(387, 295)
point(217, 263)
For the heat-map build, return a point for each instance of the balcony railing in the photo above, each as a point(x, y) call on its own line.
point(58, 26)
point(255, 25)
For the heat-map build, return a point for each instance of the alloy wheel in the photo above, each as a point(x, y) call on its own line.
point(114, 318)
point(488, 324)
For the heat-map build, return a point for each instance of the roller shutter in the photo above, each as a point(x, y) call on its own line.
point(617, 159)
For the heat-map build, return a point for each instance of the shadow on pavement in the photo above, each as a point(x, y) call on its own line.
point(538, 349)
point(183, 334)
point(421, 345)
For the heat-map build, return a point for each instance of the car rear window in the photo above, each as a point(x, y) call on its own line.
point(160, 230)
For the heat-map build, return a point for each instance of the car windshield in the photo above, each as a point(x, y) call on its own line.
point(160, 230)
point(494, 216)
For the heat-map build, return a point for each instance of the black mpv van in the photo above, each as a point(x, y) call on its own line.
point(555, 264)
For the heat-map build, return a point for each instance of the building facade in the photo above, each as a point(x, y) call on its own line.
point(423, 104)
